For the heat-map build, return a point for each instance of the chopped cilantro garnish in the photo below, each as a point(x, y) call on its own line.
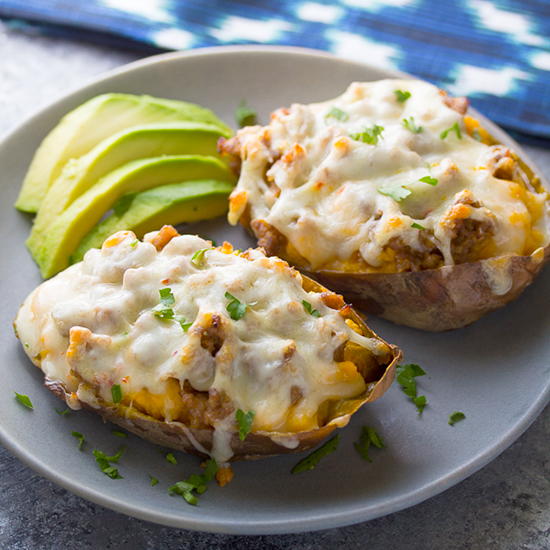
point(198, 259)
point(416, 225)
point(454, 128)
point(397, 192)
point(457, 416)
point(116, 393)
point(375, 439)
point(244, 422)
point(244, 115)
point(309, 308)
point(171, 458)
point(429, 180)
point(24, 400)
point(195, 482)
point(133, 244)
point(369, 135)
point(81, 439)
point(410, 124)
point(163, 310)
point(166, 314)
point(310, 461)
point(406, 377)
point(235, 308)
point(118, 433)
point(337, 114)
point(420, 401)
point(368, 436)
point(166, 296)
point(476, 135)
point(104, 462)
point(183, 323)
point(402, 95)
point(154, 480)
point(64, 412)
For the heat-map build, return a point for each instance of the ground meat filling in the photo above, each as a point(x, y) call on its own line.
point(470, 235)
point(412, 259)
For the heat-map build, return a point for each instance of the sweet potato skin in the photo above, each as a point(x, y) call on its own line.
point(440, 299)
point(176, 435)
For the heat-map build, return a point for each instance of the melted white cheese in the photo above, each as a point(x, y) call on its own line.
point(108, 299)
point(329, 183)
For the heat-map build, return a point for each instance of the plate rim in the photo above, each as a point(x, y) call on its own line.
point(318, 521)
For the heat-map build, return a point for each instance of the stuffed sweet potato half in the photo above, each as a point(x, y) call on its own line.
point(393, 195)
point(171, 338)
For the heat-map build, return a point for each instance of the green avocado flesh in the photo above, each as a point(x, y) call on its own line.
point(82, 129)
point(70, 226)
point(139, 142)
point(167, 204)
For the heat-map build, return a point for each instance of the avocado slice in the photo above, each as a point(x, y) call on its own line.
point(150, 140)
point(67, 230)
point(92, 122)
point(172, 204)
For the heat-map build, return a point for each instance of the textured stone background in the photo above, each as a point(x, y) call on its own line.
point(505, 506)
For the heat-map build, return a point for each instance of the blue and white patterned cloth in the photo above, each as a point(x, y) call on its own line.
point(497, 52)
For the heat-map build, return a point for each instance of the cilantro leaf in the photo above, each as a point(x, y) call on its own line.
point(163, 310)
point(195, 482)
point(455, 417)
point(369, 135)
point(310, 461)
point(406, 378)
point(183, 323)
point(235, 308)
point(24, 400)
point(245, 116)
point(309, 308)
point(420, 401)
point(154, 480)
point(362, 446)
point(166, 296)
point(104, 461)
point(368, 436)
point(402, 95)
point(416, 225)
point(410, 124)
point(244, 422)
point(166, 314)
point(64, 412)
point(429, 180)
point(133, 244)
point(397, 192)
point(338, 114)
point(118, 433)
point(116, 393)
point(198, 259)
point(375, 439)
point(81, 439)
point(171, 458)
point(454, 128)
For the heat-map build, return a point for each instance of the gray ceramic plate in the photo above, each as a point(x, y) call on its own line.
point(496, 371)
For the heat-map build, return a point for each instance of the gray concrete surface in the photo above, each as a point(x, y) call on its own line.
point(505, 506)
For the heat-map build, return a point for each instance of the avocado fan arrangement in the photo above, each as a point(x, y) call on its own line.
point(122, 161)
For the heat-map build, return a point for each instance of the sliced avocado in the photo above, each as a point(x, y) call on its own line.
point(68, 229)
point(172, 204)
point(138, 142)
point(92, 122)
